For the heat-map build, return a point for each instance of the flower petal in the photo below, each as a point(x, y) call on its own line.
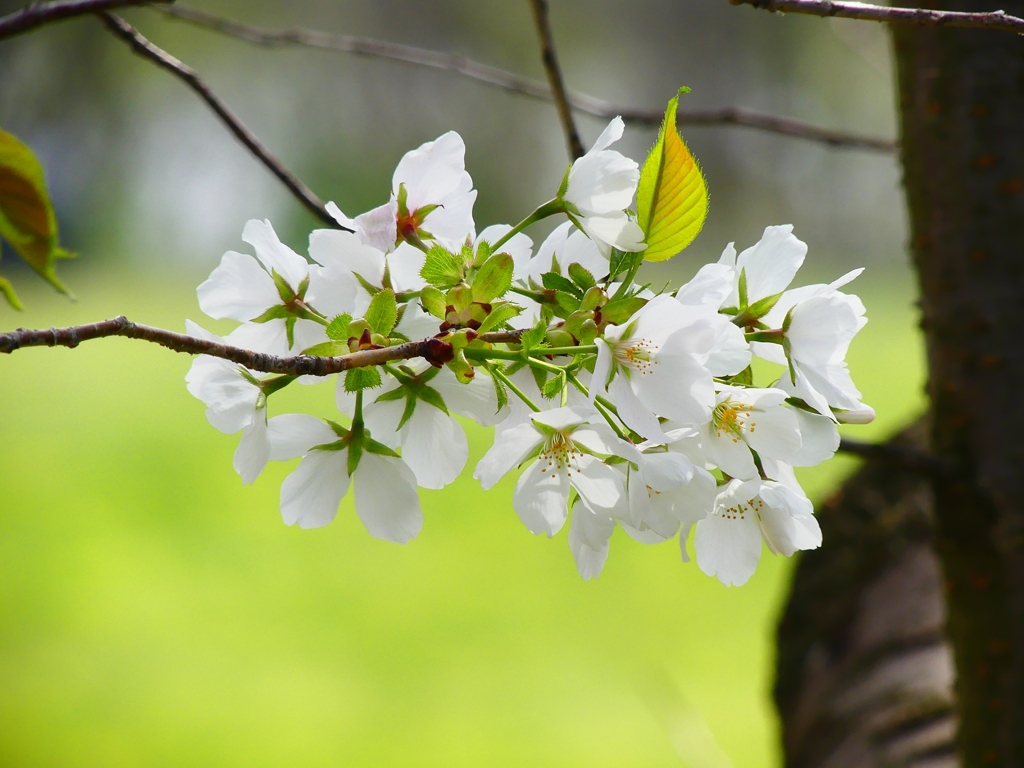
point(599, 485)
point(310, 495)
point(772, 263)
point(506, 454)
point(253, 450)
point(238, 289)
point(434, 446)
point(273, 254)
point(295, 434)
point(386, 498)
point(540, 499)
point(588, 540)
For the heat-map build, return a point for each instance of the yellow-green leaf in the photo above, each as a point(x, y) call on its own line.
point(27, 220)
point(672, 199)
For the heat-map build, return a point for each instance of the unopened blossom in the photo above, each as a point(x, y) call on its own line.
point(565, 451)
point(234, 403)
point(652, 365)
point(728, 541)
point(601, 185)
point(432, 198)
point(385, 488)
point(243, 288)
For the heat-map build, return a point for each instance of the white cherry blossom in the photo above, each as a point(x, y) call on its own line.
point(767, 268)
point(746, 419)
point(728, 541)
point(601, 185)
point(385, 487)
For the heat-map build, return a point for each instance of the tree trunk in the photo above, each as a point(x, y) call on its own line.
point(961, 97)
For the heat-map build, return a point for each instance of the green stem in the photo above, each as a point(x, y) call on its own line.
point(550, 208)
point(628, 279)
point(473, 353)
point(541, 297)
point(582, 349)
point(357, 416)
point(500, 376)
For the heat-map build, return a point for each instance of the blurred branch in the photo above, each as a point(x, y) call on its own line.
point(524, 86)
point(920, 16)
point(37, 14)
point(904, 456)
point(550, 59)
point(141, 46)
point(299, 365)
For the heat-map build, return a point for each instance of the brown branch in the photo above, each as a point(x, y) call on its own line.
point(554, 72)
point(36, 15)
point(899, 455)
point(920, 16)
point(299, 365)
point(141, 46)
point(517, 84)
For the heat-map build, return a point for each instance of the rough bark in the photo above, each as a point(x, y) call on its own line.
point(865, 674)
point(961, 98)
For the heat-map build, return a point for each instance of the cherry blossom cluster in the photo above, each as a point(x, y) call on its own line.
point(618, 406)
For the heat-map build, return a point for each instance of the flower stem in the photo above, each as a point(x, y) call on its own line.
point(500, 376)
point(550, 208)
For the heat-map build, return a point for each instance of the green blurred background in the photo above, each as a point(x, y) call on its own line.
point(153, 611)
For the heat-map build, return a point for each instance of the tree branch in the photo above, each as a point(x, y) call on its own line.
point(517, 84)
point(299, 365)
point(900, 455)
point(141, 46)
point(920, 16)
point(550, 59)
point(36, 15)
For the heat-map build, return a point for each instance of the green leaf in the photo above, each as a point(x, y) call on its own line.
point(433, 301)
point(555, 282)
point(493, 279)
point(619, 311)
point(382, 312)
point(8, 291)
point(533, 337)
point(672, 199)
point(27, 218)
point(500, 314)
point(337, 329)
point(442, 267)
point(501, 391)
point(554, 386)
point(327, 349)
point(579, 275)
point(357, 379)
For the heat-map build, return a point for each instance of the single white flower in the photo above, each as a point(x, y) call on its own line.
point(243, 288)
point(600, 187)
point(417, 414)
point(432, 198)
point(652, 365)
point(566, 449)
point(385, 487)
point(747, 419)
point(234, 403)
point(728, 541)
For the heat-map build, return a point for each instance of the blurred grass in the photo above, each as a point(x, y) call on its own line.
point(153, 611)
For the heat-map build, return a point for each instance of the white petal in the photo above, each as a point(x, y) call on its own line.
point(588, 540)
point(540, 499)
point(563, 418)
point(506, 454)
point(310, 495)
point(602, 182)
point(253, 450)
point(776, 434)
point(695, 500)
point(378, 228)
point(634, 413)
point(386, 498)
point(617, 230)
point(602, 368)
point(680, 388)
point(819, 439)
point(519, 246)
point(599, 438)
point(434, 446)
point(338, 216)
point(405, 264)
point(684, 534)
point(551, 250)
point(238, 289)
point(711, 286)
point(728, 542)
point(274, 254)
point(580, 249)
point(270, 337)
point(729, 453)
point(730, 353)
point(772, 264)
point(295, 434)
point(476, 400)
point(599, 485)
point(612, 133)
point(666, 471)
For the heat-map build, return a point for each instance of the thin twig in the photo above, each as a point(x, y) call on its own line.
point(36, 15)
point(554, 72)
point(299, 365)
point(523, 86)
point(161, 58)
point(865, 12)
point(902, 455)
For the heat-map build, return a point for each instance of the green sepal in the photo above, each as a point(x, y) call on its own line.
point(276, 312)
point(433, 397)
point(581, 276)
point(270, 386)
point(744, 378)
point(382, 313)
point(555, 282)
point(500, 391)
point(391, 395)
point(742, 288)
point(337, 329)
point(494, 278)
point(500, 314)
point(564, 186)
point(433, 301)
point(618, 311)
point(355, 450)
point(357, 379)
point(289, 329)
point(372, 446)
point(442, 268)
point(8, 291)
point(369, 287)
point(283, 289)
